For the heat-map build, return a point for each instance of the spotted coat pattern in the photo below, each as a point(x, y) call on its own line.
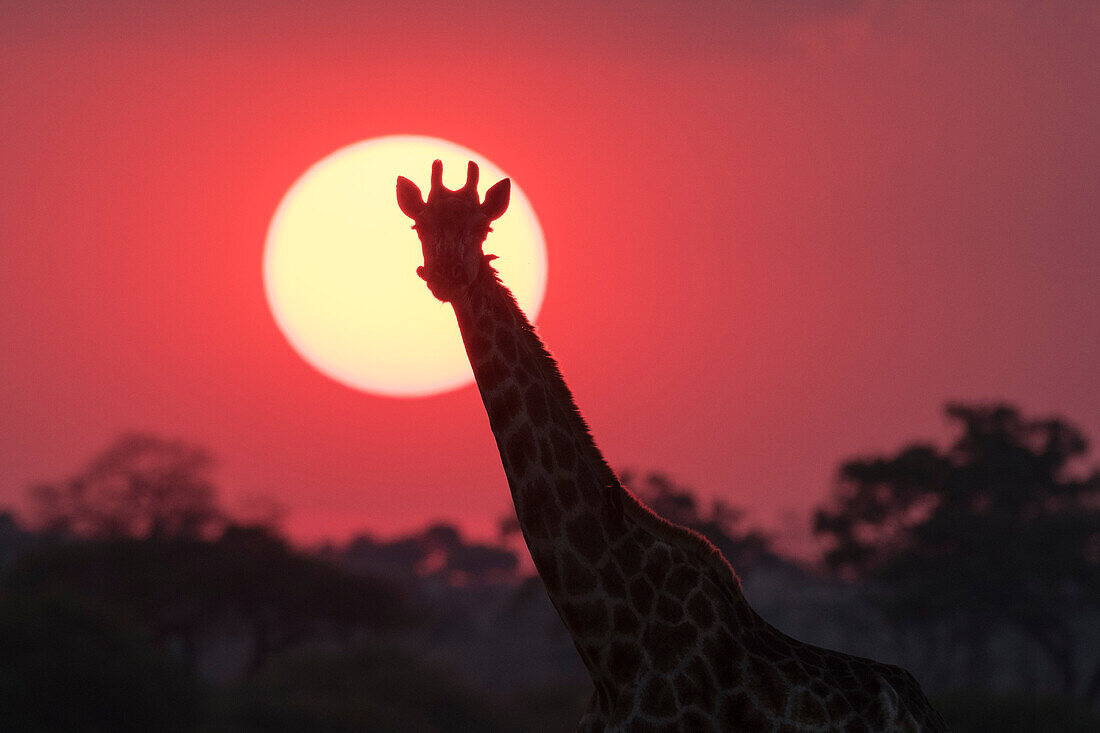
point(655, 612)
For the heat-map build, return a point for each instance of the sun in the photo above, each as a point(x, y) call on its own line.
point(340, 268)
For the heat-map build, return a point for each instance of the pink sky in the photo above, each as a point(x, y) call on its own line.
point(776, 238)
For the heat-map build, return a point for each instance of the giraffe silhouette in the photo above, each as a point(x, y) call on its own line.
point(655, 611)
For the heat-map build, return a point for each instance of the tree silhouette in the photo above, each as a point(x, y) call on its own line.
point(745, 549)
point(179, 589)
point(999, 530)
point(438, 551)
point(141, 486)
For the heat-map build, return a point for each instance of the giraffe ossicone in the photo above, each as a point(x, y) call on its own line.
point(452, 225)
point(655, 612)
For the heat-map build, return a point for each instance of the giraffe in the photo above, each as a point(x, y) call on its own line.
point(655, 611)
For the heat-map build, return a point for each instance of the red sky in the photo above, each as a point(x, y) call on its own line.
point(777, 238)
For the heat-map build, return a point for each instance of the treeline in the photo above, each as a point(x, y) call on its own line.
point(130, 599)
point(995, 538)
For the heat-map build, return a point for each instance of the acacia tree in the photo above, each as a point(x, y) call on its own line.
point(745, 549)
point(142, 486)
point(181, 589)
point(438, 551)
point(1002, 529)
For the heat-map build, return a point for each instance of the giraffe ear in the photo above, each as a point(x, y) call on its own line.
point(496, 199)
point(409, 197)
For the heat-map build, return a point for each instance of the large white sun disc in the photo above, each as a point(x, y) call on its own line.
point(340, 267)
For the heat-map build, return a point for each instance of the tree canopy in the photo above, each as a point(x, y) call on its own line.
point(140, 486)
point(1000, 528)
point(721, 523)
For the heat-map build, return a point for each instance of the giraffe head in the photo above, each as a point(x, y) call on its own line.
point(452, 226)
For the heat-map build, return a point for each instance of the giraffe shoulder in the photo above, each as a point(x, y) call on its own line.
point(678, 536)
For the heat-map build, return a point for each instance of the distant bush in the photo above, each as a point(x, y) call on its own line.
point(383, 690)
point(179, 589)
point(980, 712)
point(70, 666)
point(546, 710)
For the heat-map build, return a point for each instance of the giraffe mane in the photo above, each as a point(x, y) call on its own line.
point(628, 504)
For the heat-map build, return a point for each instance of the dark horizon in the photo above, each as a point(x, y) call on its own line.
point(235, 629)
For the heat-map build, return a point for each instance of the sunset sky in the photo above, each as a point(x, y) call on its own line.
point(779, 234)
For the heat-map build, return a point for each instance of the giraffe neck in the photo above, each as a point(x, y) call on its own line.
point(568, 500)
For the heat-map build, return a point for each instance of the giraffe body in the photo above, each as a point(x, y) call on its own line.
point(655, 612)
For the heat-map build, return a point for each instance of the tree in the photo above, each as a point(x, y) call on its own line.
point(999, 530)
point(141, 486)
point(15, 540)
point(180, 589)
point(745, 549)
point(438, 551)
